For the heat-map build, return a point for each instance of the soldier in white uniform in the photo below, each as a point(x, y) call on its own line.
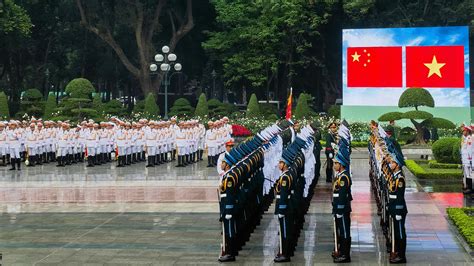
point(14, 138)
point(150, 141)
point(31, 145)
point(3, 144)
point(174, 128)
point(228, 146)
point(120, 137)
point(466, 158)
point(181, 144)
point(210, 139)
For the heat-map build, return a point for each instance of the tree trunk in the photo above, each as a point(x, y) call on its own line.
point(420, 140)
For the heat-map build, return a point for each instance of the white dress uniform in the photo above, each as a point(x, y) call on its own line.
point(3, 143)
point(31, 143)
point(466, 157)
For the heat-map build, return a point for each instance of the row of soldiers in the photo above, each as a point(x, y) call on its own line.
point(37, 142)
point(388, 185)
point(244, 198)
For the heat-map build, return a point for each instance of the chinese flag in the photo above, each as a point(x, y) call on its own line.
point(374, 66)
point(435, 66)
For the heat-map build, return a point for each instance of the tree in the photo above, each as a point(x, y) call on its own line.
point(416, 98)
point(97, 103)
point(261, 44)
point(201, 108)
point(114, 107)
point(144, 18)
point(4, 112)
point(14, 18)
point(181, 108)
point(151, 108)
point(50, 106)
point(253, 109)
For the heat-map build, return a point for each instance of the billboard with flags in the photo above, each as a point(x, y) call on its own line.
point(379, 64)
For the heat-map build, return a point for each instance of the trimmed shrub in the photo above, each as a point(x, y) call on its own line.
point(151, 108)
point(80, 88)
point(335, 111)
point(463, 222)
point(114, 107)
point(50, 106)
point(97, 103)
point(181, 107)
point(139, 107)
point(4, 111)
point(420, 172)
point(443, 150)
point(302, 109)
point(435, 165)
point(202, 108)
point(253, 109)
point(32, 103)
point(457, 151)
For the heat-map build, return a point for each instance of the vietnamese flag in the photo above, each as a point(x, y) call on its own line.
point(374, 66)
point(435, 66)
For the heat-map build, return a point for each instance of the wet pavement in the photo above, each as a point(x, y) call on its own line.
point(167, 215)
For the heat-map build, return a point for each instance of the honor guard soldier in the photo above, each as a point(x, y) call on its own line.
point(466, 159)
point(14, 138)
point(3, 144)
point(342, 197)
point(397, 209)
point(229, 194)
point(331, 140)
point(317, 148)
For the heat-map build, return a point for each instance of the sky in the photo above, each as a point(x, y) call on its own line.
point(426, 36)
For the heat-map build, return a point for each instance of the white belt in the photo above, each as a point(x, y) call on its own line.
point(224, 195)
point(393, 196)
point(335, 195)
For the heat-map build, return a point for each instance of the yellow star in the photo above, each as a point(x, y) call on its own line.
point(355, 57)
point(434, 67)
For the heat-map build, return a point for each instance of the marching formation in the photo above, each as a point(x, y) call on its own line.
point(36, 142)
point(388, 185)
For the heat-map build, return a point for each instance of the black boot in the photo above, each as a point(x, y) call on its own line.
point(4, 161)
point(59, 162)
point(13, 163)
point(209, 163)
point(180, 161)
point(109, 157)
point(150, 161)
point(201, 152)
point(345, 252)
point(119, 161)
point(90, 161)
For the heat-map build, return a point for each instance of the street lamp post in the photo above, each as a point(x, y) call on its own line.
point(167, 62)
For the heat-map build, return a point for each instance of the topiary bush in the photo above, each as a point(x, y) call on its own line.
point(202, 108)
point(182, 108)
point(443, 150)
point(4, 111)
point(335, 111)
point(32, 103)
point(50, 106)
point(115, 108)
point(80, 88)
point(151, 109)
point(456, 155)
point(253, 109)
point(302, 109)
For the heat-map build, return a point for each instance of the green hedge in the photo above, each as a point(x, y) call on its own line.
point(435, 165)
point(422, 173)
point(463, 222)
point(443, 150)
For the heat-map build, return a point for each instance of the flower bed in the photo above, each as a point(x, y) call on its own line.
point(422, 170)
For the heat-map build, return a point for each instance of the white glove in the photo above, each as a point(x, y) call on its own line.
point(333, 145)
point(330, 155)
point(228, 216)
point(281, 215)
point(398, 217)
point(339, 215)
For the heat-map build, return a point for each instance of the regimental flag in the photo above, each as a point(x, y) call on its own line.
point(374, 66)
point(435, 66)
point(288, 104)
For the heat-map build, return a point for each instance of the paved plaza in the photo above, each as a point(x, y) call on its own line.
point(167, 215)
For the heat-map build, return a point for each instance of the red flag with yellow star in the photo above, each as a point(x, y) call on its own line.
point(435, 66)
point(374, 66)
